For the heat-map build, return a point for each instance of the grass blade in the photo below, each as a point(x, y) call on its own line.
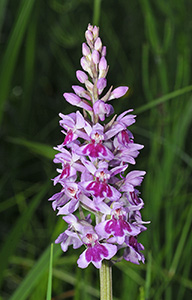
point(12, 240)
point(10, 57)
point(2, 12)
point(49, 287)
point(148, 276)
point(178, 252)
point(163, 99)
point(35, 274)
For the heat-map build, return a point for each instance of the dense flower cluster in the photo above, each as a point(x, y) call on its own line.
point(94, 158)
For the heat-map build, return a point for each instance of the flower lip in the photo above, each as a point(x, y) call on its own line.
point(68, 137)
point(66, 171)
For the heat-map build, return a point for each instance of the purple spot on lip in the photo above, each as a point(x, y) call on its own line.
point(99, 189)
point(133, 242)
point(134, 198)
point(93, 149)
point(65, 172)
point(68, 137)
point(117, 227)
point(125, 137)
point(94, 253)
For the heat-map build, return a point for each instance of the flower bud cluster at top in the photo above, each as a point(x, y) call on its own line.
point(94, 158)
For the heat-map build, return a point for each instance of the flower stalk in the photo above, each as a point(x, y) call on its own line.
point(106, 281)
point(98, 198)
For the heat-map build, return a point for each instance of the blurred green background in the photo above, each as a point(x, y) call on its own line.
point(149, 49)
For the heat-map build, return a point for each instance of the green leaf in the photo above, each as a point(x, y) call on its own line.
point(37, 148)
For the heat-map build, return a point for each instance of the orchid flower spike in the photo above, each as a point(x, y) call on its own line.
point(98, 200)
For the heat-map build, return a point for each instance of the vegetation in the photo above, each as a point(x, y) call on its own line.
point(149, 49)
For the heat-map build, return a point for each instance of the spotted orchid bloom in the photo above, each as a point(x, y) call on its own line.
point(71, 235)
point(72, 123)
point(98, 197)
point(70, 165)
point(117, 227)
point(95, 251)
point(132, 252)
point(100, 188)
point(95, 148)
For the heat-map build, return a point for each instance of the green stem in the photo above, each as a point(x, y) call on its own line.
point(96, 12)
point(106, 281)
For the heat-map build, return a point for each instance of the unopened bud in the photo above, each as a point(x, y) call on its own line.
point(102, 67)
point(81, 76)
point(95, 56)
point(81, 92)
point(89, 37)
point(90, 27)
point(118, 92)
point(103, 64)
point(84, 64)
point(85, 49)
point(72, 98)
point(95, 32)
point(98, 44)
point(101, 84)
point(104, 51)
